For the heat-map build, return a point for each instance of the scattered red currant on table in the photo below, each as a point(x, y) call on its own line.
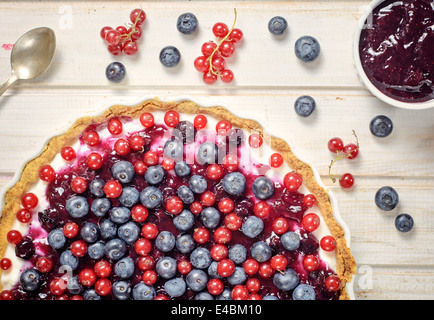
point(124, 38)
point(212, 63)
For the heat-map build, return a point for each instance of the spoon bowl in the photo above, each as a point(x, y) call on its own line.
point(31, 55)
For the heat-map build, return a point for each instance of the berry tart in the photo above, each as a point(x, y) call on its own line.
point(171, 200)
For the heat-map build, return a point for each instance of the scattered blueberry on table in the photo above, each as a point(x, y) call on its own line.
point(187, 23)
point(307, 48)
point(277, 25)
point(170, 56)
point(115, 72)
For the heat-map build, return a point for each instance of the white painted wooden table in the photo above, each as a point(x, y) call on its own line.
point(391, 265)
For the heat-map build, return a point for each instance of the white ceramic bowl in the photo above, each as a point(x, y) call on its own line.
point(358, 64)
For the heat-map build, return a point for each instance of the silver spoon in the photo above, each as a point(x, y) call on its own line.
point(31, 55)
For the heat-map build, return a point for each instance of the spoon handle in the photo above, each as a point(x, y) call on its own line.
point(12, 79)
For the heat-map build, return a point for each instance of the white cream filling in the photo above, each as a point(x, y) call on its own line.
point(248, 157)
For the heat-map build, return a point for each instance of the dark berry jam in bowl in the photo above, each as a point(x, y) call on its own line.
point(393, 50)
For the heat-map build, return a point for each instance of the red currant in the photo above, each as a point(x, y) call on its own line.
point(276, 160)
point(346, 181)
point(240, 292)
point(122, 147)
point(139, 213)
point(310, 222)
point(309, 200)
point(142, 246)
point(136, 142)
point(310, 262)
point(168, 164)
point(174, 205)
point(47, 173)
point(24, 216)
point(208, 48)
point(220, 30)
point(201, 64)
point(219, 251)
point(184, 266)
point(292, 181)
point(196, 207)
point(171, 118)
point(332, 283)
point(103, 287)
point(255, 140)
point(113, 37)
point(122, 30)
point(253, 285)
point(222, 127)
point(91, 138)
point(335, 145)
point(6, 295)
point(261, 209)
point(94, 161)
point(140, 167)
point(112, 189)
point(130, 47)
point(279, 262)
point(137, 16)
point(114, 126)
point(150, 158)
point(351, 150)
point(78, 185)
point(201, 235)
point(328, 243)
point(251, 266)
point(147, 120)
point(149, 231)
point(78, 248)
point(218, 62)
point(87, 277)
point(214, 171)
point(280, 225)
point(145, 263)
point(29, 200)
point(222, 235)
point(225, 267)
point(231, 162)
point(227, 48)
point(44, 264)
point(207, 198)
point(102, 268)
point(226, 205)
point(200, 121)
point(104, 31)
point(5, 264)
point(226, 75)
point(209, 78)
point(232, 222)
point(236, 35)
point(68, 153)
point(265, 269)
point(57, 286)
point(70, 229)
point(149, 277)
point(215, 286)
point(14, 237)
point(115, 50)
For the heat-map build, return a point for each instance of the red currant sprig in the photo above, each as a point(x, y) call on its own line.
point(213, 64)
point(349, 151)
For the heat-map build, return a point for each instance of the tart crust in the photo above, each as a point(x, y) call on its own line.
point(346, 265)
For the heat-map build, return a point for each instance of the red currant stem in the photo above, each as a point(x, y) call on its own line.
point(345, 155)
point(133, 30)
point(219, 44)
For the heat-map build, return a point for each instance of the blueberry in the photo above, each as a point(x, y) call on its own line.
point(225, 295)
point(67, 259)
point(196, 280)
point(184, 221)
point(386, 198)
point(197, 184)
point(74, 286)
point(89, 232)
point(252, 226)
point(210, 217)
point(182, 169)
point(204, 295)
point(77, 206)
point(170, 56)
point(175, 287)
point(142, 291)
point(234, 183)
point(290, 240)
point(115, 249)
point(185, 131)
point(200, 258)
point(151, 197)
point(96, 250)
point(124, 268)
point(307, 48)
point(129, 197)
point(129, 232)
point(120, 215)
point(260, 251)
point(165, 241)
point(115, 72)
point(277, 25)
point(174, 149)
point(286, 280)
point(185, 243)
point(207, 153)
point(186, 195)
point(100, 206)
point(155, 174)
point(404, 222)
point(304, 106)
point(56, 238)
point(303, 292)
point(123, 171)
point(237, 253)
point(381, 126)
point(90, 294)
point(212, 270)
point(186, 23)
point(270, 297)
point(30, 279)
point(108, 229)
point(263, 188)
point(96, 188)
point(166, 267)
point(121, 290)
point(239, 276)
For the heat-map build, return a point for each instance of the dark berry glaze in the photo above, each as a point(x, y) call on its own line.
point(282, 203)
point(396, 49)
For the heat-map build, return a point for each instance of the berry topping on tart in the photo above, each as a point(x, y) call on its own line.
point(170, 200)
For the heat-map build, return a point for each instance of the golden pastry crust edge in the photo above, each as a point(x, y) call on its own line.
point(346, 265)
